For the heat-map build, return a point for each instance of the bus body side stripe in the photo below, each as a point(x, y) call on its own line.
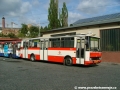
point(59, 59)
point(56, 59)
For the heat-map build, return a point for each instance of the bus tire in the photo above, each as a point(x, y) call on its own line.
point(68, 61)
point(32, 58)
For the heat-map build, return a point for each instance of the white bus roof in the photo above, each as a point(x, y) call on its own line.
point(78, 35)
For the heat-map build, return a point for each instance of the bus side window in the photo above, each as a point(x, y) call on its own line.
point(49, 43)
point(35, 44)
point(30, 43)
point(27, 44)
point(67, 42)
point(55, 42)
point(38, 44)
point(23, 44)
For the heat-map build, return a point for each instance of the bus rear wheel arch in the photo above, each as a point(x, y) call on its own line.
point(68, 61)
point(32, 57)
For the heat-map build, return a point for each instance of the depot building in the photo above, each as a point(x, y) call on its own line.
point(106, 27)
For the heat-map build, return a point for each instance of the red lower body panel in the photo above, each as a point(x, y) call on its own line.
point(59, 59)
point(56, 59)
point(92, 62)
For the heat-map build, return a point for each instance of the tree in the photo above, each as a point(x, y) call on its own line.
point(71, 24)
point(45, 28)
point(24, 30)
point(12, 35)
point(41, 29)
point(53, 15)
point(34, 31)
point(64, 16)
point(1, 35)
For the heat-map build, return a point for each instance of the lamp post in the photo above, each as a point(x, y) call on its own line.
point(39, 30)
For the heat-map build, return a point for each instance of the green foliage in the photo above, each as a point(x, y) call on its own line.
point(64, 16)
point(12, 35)
point(41, 29)
point(24, 30)
point(71, 24)
point(53, 15)
point(21, 35)
point(45, 28)
point(1, 35)
point(33, 31)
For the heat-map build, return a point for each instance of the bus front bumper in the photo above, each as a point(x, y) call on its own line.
point(92, 62)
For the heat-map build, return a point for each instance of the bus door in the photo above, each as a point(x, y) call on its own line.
point(14, 49)
point(10, 49)
point(25, 49)
point(44, 50)
point(80, 51)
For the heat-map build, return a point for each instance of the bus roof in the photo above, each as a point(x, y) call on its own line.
point(12, 41)
point(77, 35)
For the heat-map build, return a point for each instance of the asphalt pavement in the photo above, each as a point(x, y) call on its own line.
point(20, 74)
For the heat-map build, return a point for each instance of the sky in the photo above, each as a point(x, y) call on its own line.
point(36, 11)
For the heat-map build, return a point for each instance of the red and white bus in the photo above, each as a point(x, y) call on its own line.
point(77, 49)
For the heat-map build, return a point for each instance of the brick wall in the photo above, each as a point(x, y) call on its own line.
point(6, 31)
point(111, 57)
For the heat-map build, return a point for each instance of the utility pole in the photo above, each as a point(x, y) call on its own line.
point(11, 25)
point(39, 29)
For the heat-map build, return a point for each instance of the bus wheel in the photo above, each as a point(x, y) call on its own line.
point(68, 61)
point(32, 58)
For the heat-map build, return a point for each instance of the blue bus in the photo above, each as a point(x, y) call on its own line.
point(10, 49)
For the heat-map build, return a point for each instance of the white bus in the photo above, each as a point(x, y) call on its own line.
point(77, 49)
point(1, 49)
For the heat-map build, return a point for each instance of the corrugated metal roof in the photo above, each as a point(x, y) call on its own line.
point(98, 19)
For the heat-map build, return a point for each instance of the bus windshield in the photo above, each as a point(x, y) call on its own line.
point(92, 44)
